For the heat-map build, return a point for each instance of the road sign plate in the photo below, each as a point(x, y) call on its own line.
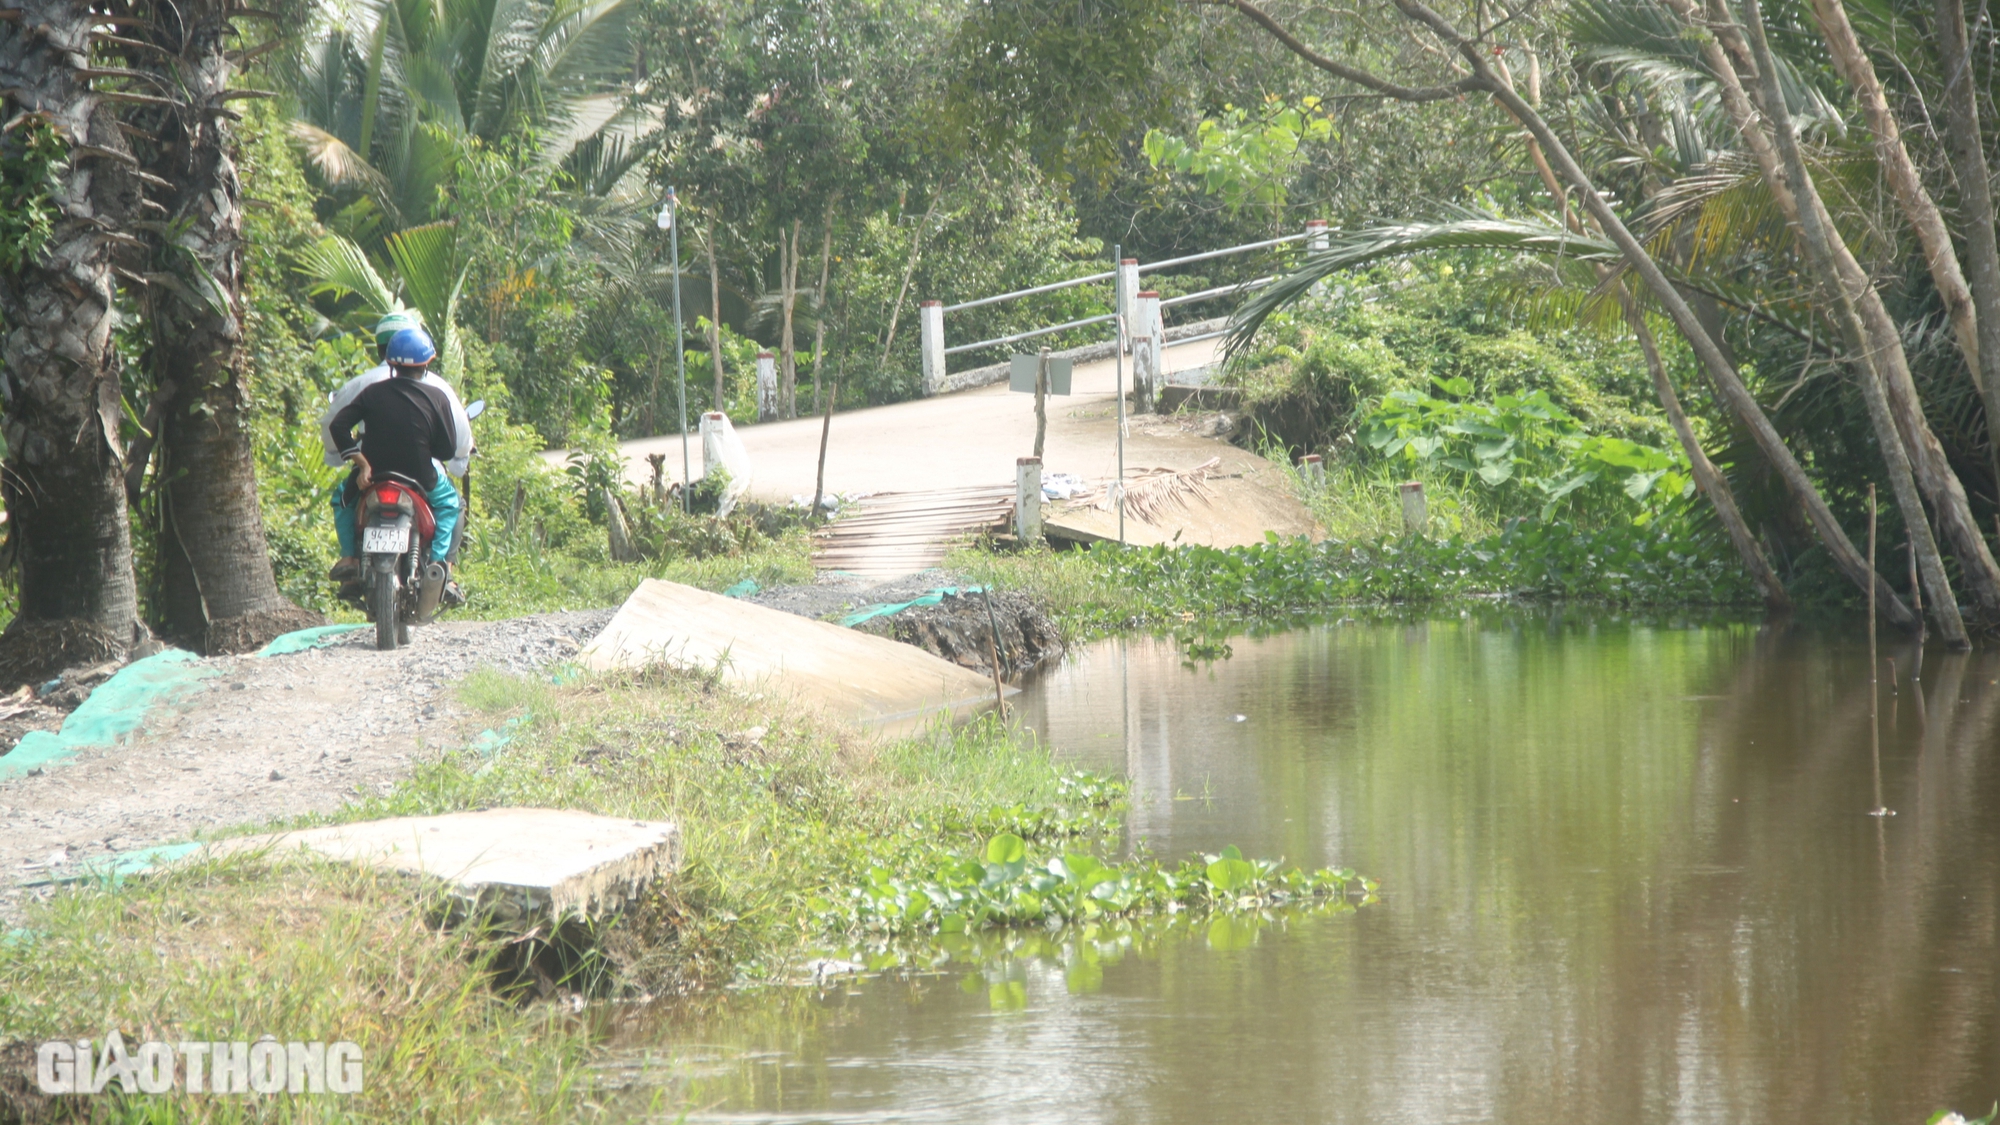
point(1021, 375)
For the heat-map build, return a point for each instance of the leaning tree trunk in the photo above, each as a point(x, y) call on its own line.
point(1975, 208)
point(1927, 457)
point(227, 599)
point(63, 479)
point(1871, 359)
point(1478, 74)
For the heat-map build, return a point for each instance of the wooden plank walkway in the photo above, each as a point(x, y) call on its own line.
point(893, 534)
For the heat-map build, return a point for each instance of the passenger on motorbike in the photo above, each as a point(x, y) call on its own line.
point(347, 570)
point(407, 424)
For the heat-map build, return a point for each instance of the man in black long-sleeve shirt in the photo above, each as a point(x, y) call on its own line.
point(407, 428)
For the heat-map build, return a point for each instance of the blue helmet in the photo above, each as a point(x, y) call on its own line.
point(410, 347)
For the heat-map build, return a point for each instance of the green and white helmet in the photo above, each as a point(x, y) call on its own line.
point(395, 322)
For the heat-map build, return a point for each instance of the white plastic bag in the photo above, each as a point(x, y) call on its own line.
point(722, 449)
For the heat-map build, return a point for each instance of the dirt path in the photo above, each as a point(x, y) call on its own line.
point(267, 738)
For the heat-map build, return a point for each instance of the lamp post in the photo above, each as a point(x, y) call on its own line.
point(668, 207)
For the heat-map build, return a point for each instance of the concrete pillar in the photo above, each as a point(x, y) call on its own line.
point(1312, 472)
point(930, 322)
point(767, 386)
point(1149, 343)
point(1416, 513)
point(1128, 294)
point(1028, 500)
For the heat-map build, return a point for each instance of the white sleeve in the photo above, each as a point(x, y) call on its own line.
point(346, 394)
point(461, 425)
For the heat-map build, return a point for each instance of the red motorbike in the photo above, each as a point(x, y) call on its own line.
point(399, 585)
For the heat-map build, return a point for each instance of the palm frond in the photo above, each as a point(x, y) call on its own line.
point(1543, 236)
point(334, 162)
point(426, 259)
point(338, 266)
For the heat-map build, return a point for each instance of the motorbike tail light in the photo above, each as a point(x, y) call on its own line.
point(390, 495)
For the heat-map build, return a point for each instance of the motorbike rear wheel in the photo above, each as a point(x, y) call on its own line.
point(382, 607)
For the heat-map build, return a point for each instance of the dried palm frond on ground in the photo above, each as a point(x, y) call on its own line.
point(1149, 492)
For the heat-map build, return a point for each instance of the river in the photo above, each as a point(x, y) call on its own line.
point(1630, 871)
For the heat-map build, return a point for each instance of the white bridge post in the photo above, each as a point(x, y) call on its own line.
point(1148, 353)
point(1128, 301)
point(767, 386)
point(930, 324)
point(1028, 500)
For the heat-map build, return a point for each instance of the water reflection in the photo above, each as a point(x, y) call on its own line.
point(1628, 874)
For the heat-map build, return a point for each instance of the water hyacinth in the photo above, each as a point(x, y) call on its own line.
point(1003, 886)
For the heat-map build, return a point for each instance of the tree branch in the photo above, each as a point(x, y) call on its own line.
point(1341, 70)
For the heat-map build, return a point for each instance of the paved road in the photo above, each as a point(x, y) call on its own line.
point(949, 441)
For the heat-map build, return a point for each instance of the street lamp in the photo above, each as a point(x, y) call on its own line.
point(668, 207)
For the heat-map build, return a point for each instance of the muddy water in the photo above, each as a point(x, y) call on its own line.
point(1629, 874)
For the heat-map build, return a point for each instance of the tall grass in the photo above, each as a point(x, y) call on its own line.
point(300, 949)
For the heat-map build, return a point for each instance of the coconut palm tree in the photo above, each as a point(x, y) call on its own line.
point(69, 189)
point(216, 588)
point(395, 90)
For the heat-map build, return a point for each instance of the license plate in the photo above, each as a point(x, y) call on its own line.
point(384, 540)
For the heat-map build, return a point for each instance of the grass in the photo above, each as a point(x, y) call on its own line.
point(236, 948)
point(506, 581)
point(1361, 503)
point(775, 807)
point(513, 579)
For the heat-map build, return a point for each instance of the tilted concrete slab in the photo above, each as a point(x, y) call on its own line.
point(513, 862)
point(883, 686)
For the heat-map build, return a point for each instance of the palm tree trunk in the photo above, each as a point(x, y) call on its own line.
point(1933, 470)
point(210, 509)
point(1975, 208)
point(1819, 238)
point(63, 480)
point(1706, 476)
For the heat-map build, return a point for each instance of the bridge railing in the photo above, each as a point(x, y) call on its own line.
point(932, 314)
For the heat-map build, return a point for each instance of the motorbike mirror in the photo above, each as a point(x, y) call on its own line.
point(477, 408)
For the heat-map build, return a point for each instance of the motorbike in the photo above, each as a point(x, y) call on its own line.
point(399, 586)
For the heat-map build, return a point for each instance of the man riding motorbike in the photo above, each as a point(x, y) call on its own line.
point(348, 569)
point(407, 425)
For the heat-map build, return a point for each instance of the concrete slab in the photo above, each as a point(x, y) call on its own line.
point(514, 862)
point(880, 685)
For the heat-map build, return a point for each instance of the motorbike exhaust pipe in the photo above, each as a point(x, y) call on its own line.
point(429, 589)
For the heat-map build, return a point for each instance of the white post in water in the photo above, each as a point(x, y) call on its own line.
point(767, 386)
point(1128, 301)
point(1416, 513)
point(1149, 347)
point(930, 324)
point(1028, 500)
